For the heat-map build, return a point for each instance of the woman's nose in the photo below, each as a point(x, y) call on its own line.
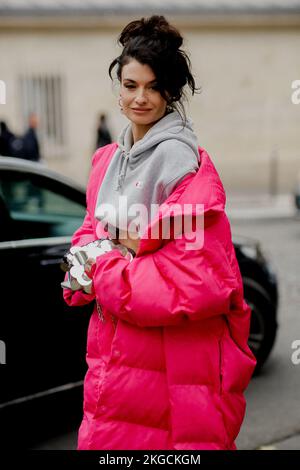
point(141, 96)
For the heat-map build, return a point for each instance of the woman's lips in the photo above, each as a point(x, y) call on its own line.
point(140, 111)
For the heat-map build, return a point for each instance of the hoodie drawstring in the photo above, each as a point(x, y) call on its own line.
point(123, 169)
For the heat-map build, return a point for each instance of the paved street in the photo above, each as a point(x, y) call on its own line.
point(273, 411)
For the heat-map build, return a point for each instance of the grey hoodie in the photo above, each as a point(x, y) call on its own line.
point(146, 172)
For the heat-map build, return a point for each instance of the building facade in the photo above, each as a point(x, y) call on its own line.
point(54, 59)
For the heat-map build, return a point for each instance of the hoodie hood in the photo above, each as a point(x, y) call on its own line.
point(169, 127)
point(142, 175)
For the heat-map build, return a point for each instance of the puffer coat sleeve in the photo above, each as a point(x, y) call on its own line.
point(86, 232)
point(164, 287)
point(82, 236)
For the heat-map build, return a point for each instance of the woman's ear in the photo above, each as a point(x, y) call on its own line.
point(120, 103)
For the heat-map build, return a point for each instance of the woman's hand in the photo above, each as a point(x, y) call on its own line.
point(129, 239)
point(126, 239)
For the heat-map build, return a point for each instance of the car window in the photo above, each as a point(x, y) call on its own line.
point(39, 207)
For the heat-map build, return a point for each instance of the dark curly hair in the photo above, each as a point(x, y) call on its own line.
point(154, 42)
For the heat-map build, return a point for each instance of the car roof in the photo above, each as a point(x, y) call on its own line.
point(22, 165)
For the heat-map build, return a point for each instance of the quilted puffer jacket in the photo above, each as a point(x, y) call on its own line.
point(167, 352)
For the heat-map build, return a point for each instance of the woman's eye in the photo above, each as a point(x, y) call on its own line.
point(153, 87)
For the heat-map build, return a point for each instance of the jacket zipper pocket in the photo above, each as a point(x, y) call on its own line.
point(220, 367)
point(102, 317)
point(100, 313)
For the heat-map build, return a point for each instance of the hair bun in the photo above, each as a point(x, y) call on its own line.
point(155, 28)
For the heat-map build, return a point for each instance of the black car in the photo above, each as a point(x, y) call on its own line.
point(44, 339)
point(261, 294)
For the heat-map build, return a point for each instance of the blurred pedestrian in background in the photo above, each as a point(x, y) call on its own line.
point(31, 148)
point(103, 134)
point(6, 140)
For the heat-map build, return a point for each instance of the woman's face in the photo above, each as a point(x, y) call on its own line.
point(141, 101)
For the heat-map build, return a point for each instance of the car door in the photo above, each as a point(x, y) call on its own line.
point(44, 339)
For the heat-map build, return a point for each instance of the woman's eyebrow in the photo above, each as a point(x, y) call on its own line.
point(133, 81)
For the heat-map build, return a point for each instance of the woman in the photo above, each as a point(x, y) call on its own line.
point(167, 352)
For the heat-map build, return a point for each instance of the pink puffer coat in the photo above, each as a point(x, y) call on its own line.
point(168, 359)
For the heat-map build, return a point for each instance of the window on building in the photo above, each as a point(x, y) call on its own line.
point(44, 95)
